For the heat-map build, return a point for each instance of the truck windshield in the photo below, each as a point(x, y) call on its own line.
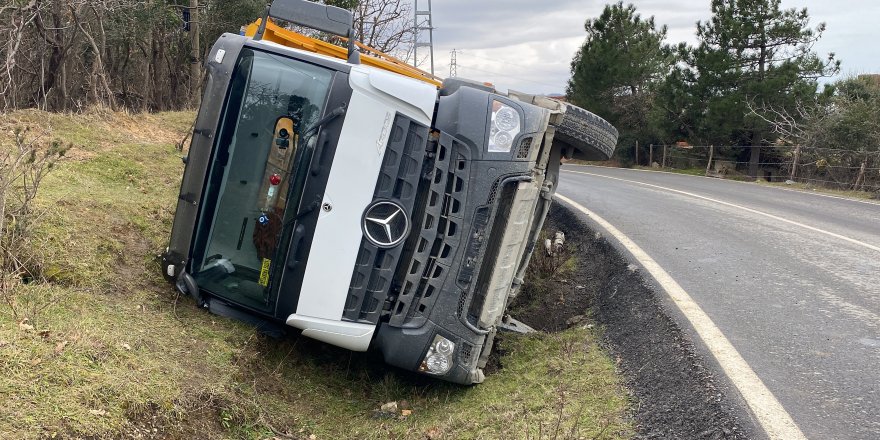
point(271, 100)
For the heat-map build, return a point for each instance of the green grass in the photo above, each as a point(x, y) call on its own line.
point(108, 351)
point(687, 171)
point(805, 187)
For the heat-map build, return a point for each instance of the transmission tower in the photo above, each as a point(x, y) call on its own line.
point(422, 22)
point(453, 65)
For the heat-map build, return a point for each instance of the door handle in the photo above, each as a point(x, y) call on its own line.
point(295, 241)
point(318, 155)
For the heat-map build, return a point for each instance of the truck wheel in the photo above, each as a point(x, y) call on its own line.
point(591, 137)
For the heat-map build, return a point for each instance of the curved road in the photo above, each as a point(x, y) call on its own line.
point(791, 279)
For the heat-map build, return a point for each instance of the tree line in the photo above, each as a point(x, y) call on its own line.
point(752, 80)
point(67, 55)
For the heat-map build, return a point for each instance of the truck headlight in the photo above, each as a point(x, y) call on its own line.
point(503, 128)
point(438, 359)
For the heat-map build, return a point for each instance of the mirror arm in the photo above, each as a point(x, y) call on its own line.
point(262, 29)
point(354, 57)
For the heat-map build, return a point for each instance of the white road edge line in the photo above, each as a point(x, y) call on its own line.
point(775, 421)
point(733, 205)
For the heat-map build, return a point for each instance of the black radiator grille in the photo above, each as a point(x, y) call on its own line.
point(524, 148)
point(466, 354)
point(398, 181)
point(439, 230)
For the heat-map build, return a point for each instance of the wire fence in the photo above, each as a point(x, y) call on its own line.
point(833, 168)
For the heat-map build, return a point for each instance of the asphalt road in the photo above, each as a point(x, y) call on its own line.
point(792, 280)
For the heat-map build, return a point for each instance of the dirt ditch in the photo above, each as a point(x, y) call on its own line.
point(674, 394)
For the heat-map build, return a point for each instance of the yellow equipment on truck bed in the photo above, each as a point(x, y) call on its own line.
point(376, 58)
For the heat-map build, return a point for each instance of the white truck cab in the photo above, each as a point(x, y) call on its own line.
point(363, 207)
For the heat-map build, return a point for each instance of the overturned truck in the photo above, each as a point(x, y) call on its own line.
point(362, 201)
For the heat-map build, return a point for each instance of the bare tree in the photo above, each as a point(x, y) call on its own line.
point(69, 54)
point(385, 25)
point(15, 22)
point(792, 127)
point(836, 137)
point(61, 55)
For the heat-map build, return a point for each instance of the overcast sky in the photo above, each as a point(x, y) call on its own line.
point(528, 45)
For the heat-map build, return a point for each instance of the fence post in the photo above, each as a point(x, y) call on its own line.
point(794, 162)
point(664, 157)
point(637, 153)
point(861, 176)
point(709, 164)
point(651, 155)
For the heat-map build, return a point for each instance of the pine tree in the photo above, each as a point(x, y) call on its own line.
point(750, 51)
point(615, 69)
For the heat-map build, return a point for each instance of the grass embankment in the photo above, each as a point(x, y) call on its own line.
point(806, 187)
point(104, 349)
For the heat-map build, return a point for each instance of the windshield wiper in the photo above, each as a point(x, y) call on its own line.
point(338, 111)
point(318, 151)
point(308, 209)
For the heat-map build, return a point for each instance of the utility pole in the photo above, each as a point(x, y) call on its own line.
point(453, 65)
point(195, 64)
point(423, 25)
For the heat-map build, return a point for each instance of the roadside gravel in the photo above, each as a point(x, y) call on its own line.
point(674, 393)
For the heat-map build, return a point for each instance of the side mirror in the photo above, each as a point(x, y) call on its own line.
point(330, 19)
point(324, 18)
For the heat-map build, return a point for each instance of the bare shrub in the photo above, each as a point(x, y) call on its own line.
point(23, 166)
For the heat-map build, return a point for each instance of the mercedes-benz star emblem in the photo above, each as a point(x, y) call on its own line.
point(386, 224)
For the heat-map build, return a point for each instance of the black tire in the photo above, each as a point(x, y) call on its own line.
point(591, 137)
